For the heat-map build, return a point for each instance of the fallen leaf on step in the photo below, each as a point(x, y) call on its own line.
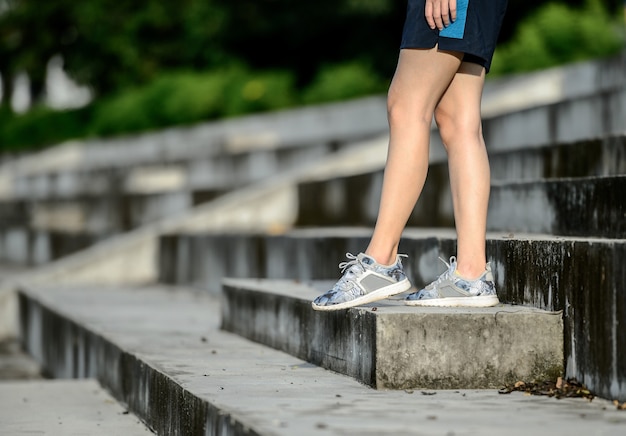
point(560, 389)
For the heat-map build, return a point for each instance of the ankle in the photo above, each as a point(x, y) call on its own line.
point(385, 259)
point(470, 271)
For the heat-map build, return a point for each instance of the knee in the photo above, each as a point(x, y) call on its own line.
point(402, 112)
point(457, 127)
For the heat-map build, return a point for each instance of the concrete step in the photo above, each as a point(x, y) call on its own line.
point(353, 200)
point(101, 214)
point(161, 352)
point(55, 228)
point(63, 407)
point(583, 277)
point(21, 245)
point(589, 206)
point(388, 345)
point(599, 156)
point(220, 170)
point(15, 364)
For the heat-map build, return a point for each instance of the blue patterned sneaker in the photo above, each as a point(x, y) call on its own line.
point(452, 290)
point(363, 281)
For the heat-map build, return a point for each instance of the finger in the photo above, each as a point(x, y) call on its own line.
point(428, 13)
point(437, 15)
point(445, 13)
point(453, 10)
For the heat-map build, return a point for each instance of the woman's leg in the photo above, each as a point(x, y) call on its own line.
point(420, 80)
point(458, 118)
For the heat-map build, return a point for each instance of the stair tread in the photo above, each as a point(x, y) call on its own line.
point(63, 407)
point(307, 291)
point(272, 393)
point(388, 345)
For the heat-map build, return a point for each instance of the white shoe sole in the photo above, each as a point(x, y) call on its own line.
point(481, 301)
point(379, 294)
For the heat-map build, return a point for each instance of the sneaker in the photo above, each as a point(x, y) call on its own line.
point(364, 280)
point(452, 290)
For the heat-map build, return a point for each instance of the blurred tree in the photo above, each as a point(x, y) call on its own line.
point(109, 44)
point(113, 44)
point(556, 33)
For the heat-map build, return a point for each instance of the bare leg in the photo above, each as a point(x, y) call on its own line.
point(458, 118)
point(421, 78)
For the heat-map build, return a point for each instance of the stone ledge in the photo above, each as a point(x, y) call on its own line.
point(584, 277)
point(390, 346)
point(354, 199)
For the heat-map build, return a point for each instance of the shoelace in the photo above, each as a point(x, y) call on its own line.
point(354, 261)
point(346, 269)
point(450, 266)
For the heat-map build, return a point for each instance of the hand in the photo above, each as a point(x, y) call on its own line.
point(440, 13)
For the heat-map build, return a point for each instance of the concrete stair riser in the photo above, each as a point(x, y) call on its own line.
point(354, 200)
point(529, 269)
point(537, 206)
point(396, 347)
point(571, 120)
point(586, 280)
point(602, 156)
point(21, 245)
point(588, 206)
point(108, 214)
point(222, 172)
point(549, 273)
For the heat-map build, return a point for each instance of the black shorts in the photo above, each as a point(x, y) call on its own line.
point(475, 31)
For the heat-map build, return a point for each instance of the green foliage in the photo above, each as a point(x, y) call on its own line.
point(556, 34)
point(183, 98)
point(342, 82)
point(172, 99)
point(40, 126)
point(248, 93)
point(153, 64)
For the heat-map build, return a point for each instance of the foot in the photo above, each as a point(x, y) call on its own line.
point(364, 281)
point(452, 290)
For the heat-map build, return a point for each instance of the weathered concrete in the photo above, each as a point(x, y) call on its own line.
point(161, 353)
point(22, 245)
point(329, 123)
point(601, 156)
point(594, 116)
point(390, 346)
point(353, 200)
point(589, 206)
point(576, 275)
point(62, 407)
point(15, 364)
point(216, 171)
point(268, 205)
point(8, 300)
point(569, 82)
